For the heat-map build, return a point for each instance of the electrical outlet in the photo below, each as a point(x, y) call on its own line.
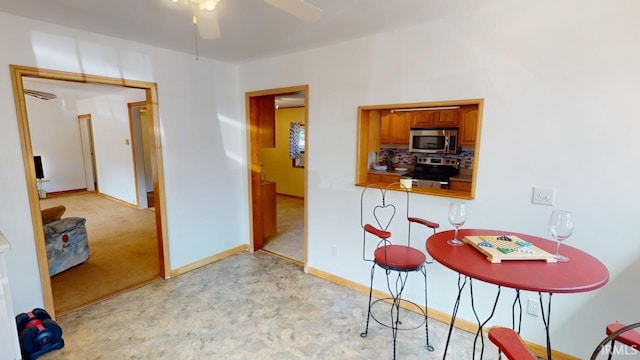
point(543, 196)
point(533, 307)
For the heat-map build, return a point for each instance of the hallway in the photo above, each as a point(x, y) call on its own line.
point(289, 240)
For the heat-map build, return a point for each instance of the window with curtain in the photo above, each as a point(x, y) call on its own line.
point(296, 143)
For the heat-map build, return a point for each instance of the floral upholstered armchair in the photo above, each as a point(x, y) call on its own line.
point(66, 240)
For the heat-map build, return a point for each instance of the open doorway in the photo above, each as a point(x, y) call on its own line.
point(141, 133)
point(19, 73)
point(278, 178)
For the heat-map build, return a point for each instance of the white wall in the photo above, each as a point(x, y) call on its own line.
point(202, 134)
point(561, 87)
point(55, 135)
point(112, 142)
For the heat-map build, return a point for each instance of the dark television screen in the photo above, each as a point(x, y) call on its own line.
point(38, 163)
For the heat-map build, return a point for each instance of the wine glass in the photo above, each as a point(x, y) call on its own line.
point(560, 227)
point(457, 217)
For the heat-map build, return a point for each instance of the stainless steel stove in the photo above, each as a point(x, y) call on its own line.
point(434, 172)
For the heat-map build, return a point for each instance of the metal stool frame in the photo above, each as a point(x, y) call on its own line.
point(395, 290)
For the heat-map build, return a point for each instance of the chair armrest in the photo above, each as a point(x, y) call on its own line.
point(424, 222)
point(510, 343)
point(377, 232)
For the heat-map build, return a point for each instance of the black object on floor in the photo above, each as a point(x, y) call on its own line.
point(38, 333)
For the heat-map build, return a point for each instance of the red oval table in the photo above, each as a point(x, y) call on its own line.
point(582, 273)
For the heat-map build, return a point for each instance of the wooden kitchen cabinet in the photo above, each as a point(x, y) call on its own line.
point(424, 118)
point(394, 128)
point(448, 118)
point(384, 178)
point(435, 118)
point(468, 127)
point(459, 185)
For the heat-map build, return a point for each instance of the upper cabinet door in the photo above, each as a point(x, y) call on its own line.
point(425, 118)
point(468, 127)
point(448, 118)
point(264, 109)
point(395, 127)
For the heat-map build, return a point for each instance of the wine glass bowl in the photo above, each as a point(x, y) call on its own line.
point(457, 217)
point(560, 227)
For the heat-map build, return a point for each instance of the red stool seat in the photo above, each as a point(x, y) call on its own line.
point(629, 338)
point(399, 257)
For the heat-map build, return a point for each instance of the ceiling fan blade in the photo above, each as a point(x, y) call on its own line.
point(40, 94)
point(298, 8)
point(208, 25)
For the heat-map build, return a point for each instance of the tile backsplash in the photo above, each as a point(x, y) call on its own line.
point(404, 157)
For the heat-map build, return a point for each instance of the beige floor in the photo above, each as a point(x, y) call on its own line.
point(289, 240)
point(246, 306)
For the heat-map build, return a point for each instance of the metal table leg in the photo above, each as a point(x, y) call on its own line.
point(546, 318)
point(481, 325)
point(461, 285)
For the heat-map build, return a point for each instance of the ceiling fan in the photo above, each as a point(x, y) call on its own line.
point(205, 18)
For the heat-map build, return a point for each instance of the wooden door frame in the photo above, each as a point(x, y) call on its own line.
point(130, 106)
point(17, 73)
point(94, 176)
point(254, 169)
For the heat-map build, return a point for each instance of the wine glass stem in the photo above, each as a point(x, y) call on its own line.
point(558, 250)
point(455, 233)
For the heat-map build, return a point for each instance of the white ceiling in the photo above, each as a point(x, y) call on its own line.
point(251, 29)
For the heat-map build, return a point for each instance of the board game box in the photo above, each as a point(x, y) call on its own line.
point(507, 247)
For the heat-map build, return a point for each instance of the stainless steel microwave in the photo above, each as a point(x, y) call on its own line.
point(434, 141)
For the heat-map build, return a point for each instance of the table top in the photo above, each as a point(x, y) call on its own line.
point(582, 273)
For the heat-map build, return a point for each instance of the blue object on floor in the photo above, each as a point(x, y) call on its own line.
point(38, 333)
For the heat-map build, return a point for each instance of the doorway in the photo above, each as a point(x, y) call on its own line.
point(141, 133)
point(88, 152)
point(150, 89)
point(263, 136)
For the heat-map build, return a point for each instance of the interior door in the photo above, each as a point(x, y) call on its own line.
point(262, 124)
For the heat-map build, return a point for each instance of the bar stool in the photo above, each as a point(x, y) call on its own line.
point(625, 334)
point(509, 342)
point(397, 260)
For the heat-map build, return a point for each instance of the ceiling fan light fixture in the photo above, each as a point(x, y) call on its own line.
point(208, 25)
point(298, 8)
point(208, 4)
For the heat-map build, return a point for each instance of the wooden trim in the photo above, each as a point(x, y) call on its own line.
point(253, 166)
point(538, 350)
point(422, 104)
point(126, 203)
point(291, 196)
point(17, 73)
point(32, 190)
point(132, 143)
point(368, 118)
point(476, 153)
point(66, 192)
point(209, 260)
point(157, 168)
point(94, 165)
point(78, 77)
point(283, 257)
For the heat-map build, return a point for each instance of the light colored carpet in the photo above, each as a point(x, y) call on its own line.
point(289, 239)
point(123, 248)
